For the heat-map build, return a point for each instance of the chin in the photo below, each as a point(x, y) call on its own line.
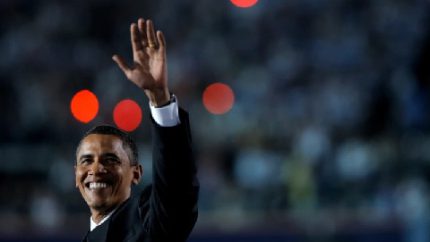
point(99, 205)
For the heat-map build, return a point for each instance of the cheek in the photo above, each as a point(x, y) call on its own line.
point(124, 179)
point(79, 175)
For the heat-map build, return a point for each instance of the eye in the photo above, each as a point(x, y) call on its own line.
point(85, 161)
point(112, 160)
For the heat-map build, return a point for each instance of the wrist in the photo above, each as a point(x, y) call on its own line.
point(159, 99)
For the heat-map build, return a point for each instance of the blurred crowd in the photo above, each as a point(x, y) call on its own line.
point(329, 132)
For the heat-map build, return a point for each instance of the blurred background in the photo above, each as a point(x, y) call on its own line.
point(328, 138)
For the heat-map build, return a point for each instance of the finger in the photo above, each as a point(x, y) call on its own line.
point(142, 31)
point(150, 34)
point(121, 63)
point(161, 39)
point(135, 39)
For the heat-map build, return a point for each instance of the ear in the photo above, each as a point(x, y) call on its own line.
point(137, 174)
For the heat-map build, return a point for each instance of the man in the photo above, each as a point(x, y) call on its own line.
point(107, 164)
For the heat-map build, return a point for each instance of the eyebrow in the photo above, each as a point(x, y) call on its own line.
point(104, 155)
point(85, 156)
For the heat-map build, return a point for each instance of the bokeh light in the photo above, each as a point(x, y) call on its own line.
point(84, 106)
point(127, 115)
point(244, 3)
point(218, 98)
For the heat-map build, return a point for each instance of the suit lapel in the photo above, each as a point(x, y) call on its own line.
point(125, 222)
point(99, 234)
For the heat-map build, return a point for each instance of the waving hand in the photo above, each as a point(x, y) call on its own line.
point(149, 69)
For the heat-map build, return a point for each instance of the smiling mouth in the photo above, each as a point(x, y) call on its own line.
point(96, 185)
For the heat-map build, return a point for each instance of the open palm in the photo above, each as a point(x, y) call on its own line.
point(149, 69)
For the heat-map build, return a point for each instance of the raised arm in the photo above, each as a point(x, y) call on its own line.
point(170, 208)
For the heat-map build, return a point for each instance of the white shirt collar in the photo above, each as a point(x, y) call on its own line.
point(93, 224)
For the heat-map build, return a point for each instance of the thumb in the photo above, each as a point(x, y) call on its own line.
point(121, 63)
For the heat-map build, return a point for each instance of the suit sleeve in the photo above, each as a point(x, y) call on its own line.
point(173, 200)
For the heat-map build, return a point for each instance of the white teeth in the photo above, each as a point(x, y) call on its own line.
point(97, 185)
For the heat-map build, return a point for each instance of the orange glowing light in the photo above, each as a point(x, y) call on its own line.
point(244, 3)
point(218, 98)
point(84, 106)
point(127, 115)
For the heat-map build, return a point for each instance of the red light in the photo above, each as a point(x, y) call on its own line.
point(244, 3)
point(127, 115)
point(84, 106)
point(218, 98)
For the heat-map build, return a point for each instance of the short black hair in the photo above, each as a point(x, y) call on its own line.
point(127, 141)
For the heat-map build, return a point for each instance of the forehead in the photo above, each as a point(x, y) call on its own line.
point(101, 143)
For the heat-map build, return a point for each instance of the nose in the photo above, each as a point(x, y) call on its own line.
point(96, 168)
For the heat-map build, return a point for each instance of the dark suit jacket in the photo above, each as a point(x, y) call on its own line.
point(165, 211)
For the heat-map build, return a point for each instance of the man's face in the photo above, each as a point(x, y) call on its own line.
point(103, 172)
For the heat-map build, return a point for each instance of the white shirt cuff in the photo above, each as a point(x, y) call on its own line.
point(167, 116)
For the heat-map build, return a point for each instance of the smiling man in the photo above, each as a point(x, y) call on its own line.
point(107, 163)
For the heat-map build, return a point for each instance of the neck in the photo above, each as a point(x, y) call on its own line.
point(97, 215)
